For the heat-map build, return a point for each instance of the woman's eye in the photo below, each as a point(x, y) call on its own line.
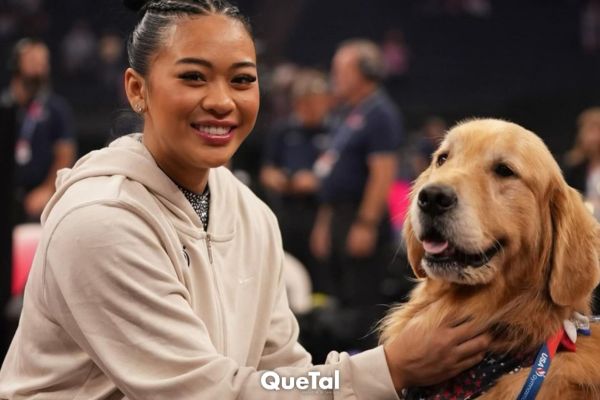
point(244, 79)
point(441, 159)
point(503, 171)
point(192, 76)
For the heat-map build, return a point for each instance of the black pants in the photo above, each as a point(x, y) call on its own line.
point(357, 282)
point(296, 217)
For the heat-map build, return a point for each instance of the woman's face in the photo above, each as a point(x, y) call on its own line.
point(202, 97)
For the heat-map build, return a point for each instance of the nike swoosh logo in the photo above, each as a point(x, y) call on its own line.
point(243, 281)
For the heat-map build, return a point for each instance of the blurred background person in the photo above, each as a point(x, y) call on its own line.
point(352, 231)
point(111, 61)
point(291, 150)
point(44, 140)
point(279, 86)
point(582, 166)
point(41, 138)
point(582, 163)
point(79, 50)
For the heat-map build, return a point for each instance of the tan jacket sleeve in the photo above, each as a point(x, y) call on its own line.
point(362, 376)
point(109, 284)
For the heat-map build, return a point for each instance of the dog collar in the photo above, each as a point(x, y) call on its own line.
point(546, 354)
point(480, 378)
point(475, 381)
point(566, 338)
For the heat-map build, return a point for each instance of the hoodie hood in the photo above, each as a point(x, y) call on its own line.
point(128, 157)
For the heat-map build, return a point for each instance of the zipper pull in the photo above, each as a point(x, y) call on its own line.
point(209, 248)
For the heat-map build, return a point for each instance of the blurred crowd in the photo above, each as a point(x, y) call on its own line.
point(331, 155)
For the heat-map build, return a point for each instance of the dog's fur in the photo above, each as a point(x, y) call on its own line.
point(547, 267)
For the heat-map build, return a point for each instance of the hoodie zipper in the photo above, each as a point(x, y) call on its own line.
point(209, 248)
point(218, 288)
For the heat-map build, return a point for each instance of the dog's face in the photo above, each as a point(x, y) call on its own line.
point(493, 194)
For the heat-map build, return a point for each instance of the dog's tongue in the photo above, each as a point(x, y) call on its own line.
point(434, 247)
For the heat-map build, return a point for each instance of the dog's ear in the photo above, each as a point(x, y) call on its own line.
point(575, 270)
point(414, 249)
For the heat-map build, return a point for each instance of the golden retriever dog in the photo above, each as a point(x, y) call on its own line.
point(497, 236)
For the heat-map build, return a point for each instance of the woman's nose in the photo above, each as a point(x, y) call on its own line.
point(218, 99)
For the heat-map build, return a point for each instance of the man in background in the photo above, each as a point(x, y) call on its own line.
point(44, 141)
point(292, 148)
point(37, 139)
point(353, 231)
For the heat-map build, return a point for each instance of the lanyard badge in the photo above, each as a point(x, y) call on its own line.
point(34, 114)
point(22, 152)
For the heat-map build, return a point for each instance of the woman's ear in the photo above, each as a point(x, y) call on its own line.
point(575, 270)
point(135, 88)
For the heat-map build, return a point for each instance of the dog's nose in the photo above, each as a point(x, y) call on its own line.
point(436, 199)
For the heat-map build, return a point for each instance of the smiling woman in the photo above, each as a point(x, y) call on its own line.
point(199, 102)
point(135, 293)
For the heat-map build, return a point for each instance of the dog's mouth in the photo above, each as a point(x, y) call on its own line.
point(441, 252)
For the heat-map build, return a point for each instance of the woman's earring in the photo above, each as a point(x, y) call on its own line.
point(139, 108)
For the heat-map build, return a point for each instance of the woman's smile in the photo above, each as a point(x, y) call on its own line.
point(215, 133)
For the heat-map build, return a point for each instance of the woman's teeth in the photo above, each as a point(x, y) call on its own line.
point(214, 130)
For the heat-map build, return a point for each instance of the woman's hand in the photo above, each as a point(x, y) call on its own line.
point(421, 358)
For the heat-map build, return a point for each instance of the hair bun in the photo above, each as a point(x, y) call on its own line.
point(135, 5)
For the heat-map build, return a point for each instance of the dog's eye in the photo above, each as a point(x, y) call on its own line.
point(441, 159)
point(502, 170)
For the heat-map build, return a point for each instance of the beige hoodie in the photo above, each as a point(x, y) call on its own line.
point(129, 298)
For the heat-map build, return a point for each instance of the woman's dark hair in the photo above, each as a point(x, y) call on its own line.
point(157, 15)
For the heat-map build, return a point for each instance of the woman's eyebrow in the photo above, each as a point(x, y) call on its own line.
point(243, 64)
point(208, 64)
point(195, 61)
